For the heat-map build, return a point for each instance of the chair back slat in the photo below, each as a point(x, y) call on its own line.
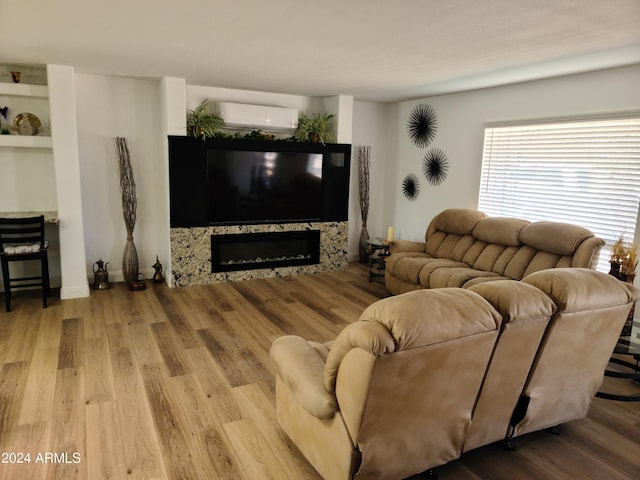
point(26, 230)
point(22, 239)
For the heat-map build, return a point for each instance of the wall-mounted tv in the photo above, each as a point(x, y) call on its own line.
point(242, 181)
point(252, 186)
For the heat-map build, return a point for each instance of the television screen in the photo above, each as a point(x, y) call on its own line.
point(263, 186)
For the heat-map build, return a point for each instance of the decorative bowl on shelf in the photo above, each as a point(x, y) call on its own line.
point(27, 124)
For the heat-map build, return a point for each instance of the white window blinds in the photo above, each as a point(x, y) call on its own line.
point(583, 172)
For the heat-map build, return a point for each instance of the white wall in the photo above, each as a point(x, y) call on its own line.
point(461, 121)
point(196, 94)
point(370, 127)
point(110, 106)
point(133, 108)
point(117, 106)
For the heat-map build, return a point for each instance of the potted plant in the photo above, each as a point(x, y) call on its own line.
point(315, 128)
point(624, 260)
point(201, 124)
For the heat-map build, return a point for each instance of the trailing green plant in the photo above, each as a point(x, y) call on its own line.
point(259, 135)
point(201, 124)
point(318, 127)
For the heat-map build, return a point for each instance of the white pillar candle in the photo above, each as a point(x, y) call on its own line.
point(390, 234)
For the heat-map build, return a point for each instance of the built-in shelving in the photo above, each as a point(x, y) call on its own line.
point(24, 141)
point(24, 90)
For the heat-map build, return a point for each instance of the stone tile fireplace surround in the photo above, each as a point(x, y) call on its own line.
point(191, 252)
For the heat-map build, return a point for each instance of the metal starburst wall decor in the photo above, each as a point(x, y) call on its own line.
point(435, 166)
point(411, 187)
point(422, 125)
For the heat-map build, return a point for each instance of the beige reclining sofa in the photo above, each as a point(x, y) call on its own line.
point(466, 247)
point(424, 376)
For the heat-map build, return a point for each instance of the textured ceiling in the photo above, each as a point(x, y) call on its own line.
point(372, 49)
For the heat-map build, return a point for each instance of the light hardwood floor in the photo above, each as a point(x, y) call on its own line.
point(177, 384)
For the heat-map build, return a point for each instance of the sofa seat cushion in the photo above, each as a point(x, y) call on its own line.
point(481, 280)
point(392, 261)
point(459, 276)
point(410, 269)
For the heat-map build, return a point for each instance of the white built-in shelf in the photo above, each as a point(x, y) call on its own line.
point(25, 141)
point(24, 90)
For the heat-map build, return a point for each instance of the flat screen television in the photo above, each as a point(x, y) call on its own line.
point(246, 181)
point(264, 186)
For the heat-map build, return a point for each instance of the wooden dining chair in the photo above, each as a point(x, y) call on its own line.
point(22, 239)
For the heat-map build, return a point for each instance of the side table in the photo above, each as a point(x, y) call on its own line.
point(627, 345)
point(378, 253)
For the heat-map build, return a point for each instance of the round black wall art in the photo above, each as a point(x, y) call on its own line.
point(411, 187)
point(435, 166)
point(422, 125)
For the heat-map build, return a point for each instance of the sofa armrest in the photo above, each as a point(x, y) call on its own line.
point(301, 368)
point(407, 246)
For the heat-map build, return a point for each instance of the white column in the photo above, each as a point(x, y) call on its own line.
point(174, 117)
point(62, 101)
point(342, 107)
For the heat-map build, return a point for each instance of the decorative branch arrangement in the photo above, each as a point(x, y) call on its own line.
point(364, 153)
point(129, 206)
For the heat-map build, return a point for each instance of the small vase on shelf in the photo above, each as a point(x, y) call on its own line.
point(4, 129)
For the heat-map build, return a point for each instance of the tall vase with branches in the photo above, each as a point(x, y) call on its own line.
point(363, 153)
point(129, 206)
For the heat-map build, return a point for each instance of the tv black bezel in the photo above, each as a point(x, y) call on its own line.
point(188, 178)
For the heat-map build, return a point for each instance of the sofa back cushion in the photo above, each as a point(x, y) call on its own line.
point(525, 311)
point(428, 382)
point(460, 221)
point(569, 366)
point(496, 243)
point(449, 234)
point(509, 247)
point(554, 237)
point(500, 230)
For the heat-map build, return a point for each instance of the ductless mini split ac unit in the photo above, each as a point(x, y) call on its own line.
point(243, 116)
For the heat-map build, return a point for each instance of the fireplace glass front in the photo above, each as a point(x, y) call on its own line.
point(249, 251)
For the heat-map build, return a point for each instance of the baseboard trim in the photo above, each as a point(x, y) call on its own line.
point(117, 276)
point(74, 292)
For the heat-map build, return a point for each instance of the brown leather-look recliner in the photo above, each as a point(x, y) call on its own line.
point(424, 376)
point(464, 247)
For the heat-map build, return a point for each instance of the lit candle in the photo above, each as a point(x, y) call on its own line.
point(390, 234)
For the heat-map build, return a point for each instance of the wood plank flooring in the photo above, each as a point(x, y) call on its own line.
point(177, 384)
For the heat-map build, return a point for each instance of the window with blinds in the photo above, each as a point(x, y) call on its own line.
point(582, 172)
